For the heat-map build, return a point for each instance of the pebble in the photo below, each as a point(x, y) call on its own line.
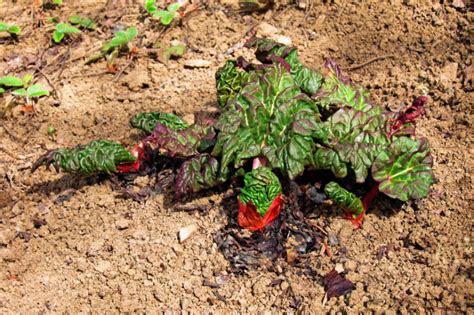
point(122, 224)
point(186, 232)
point(197, 63)
point(448, 74)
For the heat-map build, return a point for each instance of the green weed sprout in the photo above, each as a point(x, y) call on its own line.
point(82, 22)
point(165, 16)
point(12, 29)
point(111, 49)
point(10, 81)
point(62, 29)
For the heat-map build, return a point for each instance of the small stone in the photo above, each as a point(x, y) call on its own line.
point(458, 4)
point(350, 265)
point(266, 30)
point(186, 232)
point(197, 63)
point(285, 40)
point(448, 73)
point(102, 266)
point(122, 224)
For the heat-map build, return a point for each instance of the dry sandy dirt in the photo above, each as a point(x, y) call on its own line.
point(91, 251)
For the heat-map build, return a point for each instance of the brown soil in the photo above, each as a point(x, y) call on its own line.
point(101, 253)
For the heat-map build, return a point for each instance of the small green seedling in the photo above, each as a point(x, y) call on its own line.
point(33, 91)
point(52, 133)
point(165, 16)
point(164, 53)
point(111, 49)
point(61, 30)
point(10, 81)
point(12, 29)
point(82, 22)
point(121, 40)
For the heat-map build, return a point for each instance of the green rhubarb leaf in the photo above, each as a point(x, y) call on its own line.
point(3, 27)
point(183, 142)
point(97, 156)
point(11, 81)
point(307, 79)
point(354, 138)
point(229, 82)
point(343, 198)
point(2, 90)
point(198, 173)
point(403, 170)
point(261, 187)
point(337, 92)
point(269, 117)
point(147, 121)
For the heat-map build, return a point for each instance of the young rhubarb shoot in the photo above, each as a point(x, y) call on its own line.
point(260, 199)
point(164, 16)
point(97, 156)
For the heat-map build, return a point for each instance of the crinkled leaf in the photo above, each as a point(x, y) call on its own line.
point(229, 82)
point(307, 79)
point(337, 91)
point(404, 169)
point(261, 187)
point(343, 198)
point(270, 117)
point(119, 39)
point(36, 90)
point(97, 156)
point(147, 121)
point(355, 138)
point(185, 142)
point(11, 81)
point(197, 173)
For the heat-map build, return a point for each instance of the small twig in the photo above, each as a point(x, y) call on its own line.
point(361, 65)
point(119, 74)
point(49, 82)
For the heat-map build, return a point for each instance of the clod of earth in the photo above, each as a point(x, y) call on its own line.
point(278, 119)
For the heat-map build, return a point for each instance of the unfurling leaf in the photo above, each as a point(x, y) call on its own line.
point(403, 170)
point(97, 156)
point(307, 79)
point(337, 92)
point(184, 142)
point(344, 198)
point(261, 187)
point(147, 121)
point(270, 117)
point(229, 82)
point(198, 173)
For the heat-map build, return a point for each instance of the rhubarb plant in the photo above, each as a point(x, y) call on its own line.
point(277, 119)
